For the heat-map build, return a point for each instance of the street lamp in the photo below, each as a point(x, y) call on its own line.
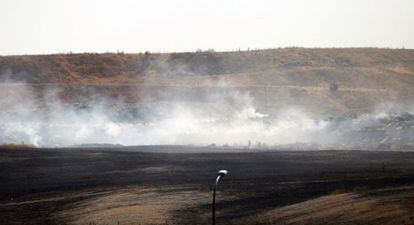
point(220, 174)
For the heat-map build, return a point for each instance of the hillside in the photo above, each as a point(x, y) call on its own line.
point(325, 81)
point(336, 98)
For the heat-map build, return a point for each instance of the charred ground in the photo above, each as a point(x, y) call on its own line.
point(103, 186)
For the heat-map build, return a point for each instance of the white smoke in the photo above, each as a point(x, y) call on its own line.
point(228, 118)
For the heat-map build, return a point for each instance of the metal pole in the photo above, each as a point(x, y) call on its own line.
point(220, 174)
point(214, 199)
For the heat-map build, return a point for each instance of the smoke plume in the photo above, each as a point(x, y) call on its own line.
point(223, 118)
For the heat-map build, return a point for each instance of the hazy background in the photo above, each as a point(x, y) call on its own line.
point(44, 26)
point(330, 98)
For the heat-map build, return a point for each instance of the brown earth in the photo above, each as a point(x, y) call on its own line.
point(325, 81)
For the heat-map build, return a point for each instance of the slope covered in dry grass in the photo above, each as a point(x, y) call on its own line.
point(325, 81)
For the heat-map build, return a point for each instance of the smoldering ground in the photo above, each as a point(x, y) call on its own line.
point(222, 115)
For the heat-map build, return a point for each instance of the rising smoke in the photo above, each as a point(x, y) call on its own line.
point(227, 118)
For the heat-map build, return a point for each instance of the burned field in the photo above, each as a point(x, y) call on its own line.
point(104, 186)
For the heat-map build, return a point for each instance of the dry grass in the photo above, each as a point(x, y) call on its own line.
point(386, 206)
point(292, 75)
point(143, 205)
point(137, 205)
point(17, 146)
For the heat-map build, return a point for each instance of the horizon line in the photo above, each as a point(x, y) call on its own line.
point(211, 50)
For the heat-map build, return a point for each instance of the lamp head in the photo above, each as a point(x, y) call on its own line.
point(222, 173)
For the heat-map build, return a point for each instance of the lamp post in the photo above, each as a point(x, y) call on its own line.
point(220, 174)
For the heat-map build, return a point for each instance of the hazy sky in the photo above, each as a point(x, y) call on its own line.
point(52, 26)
